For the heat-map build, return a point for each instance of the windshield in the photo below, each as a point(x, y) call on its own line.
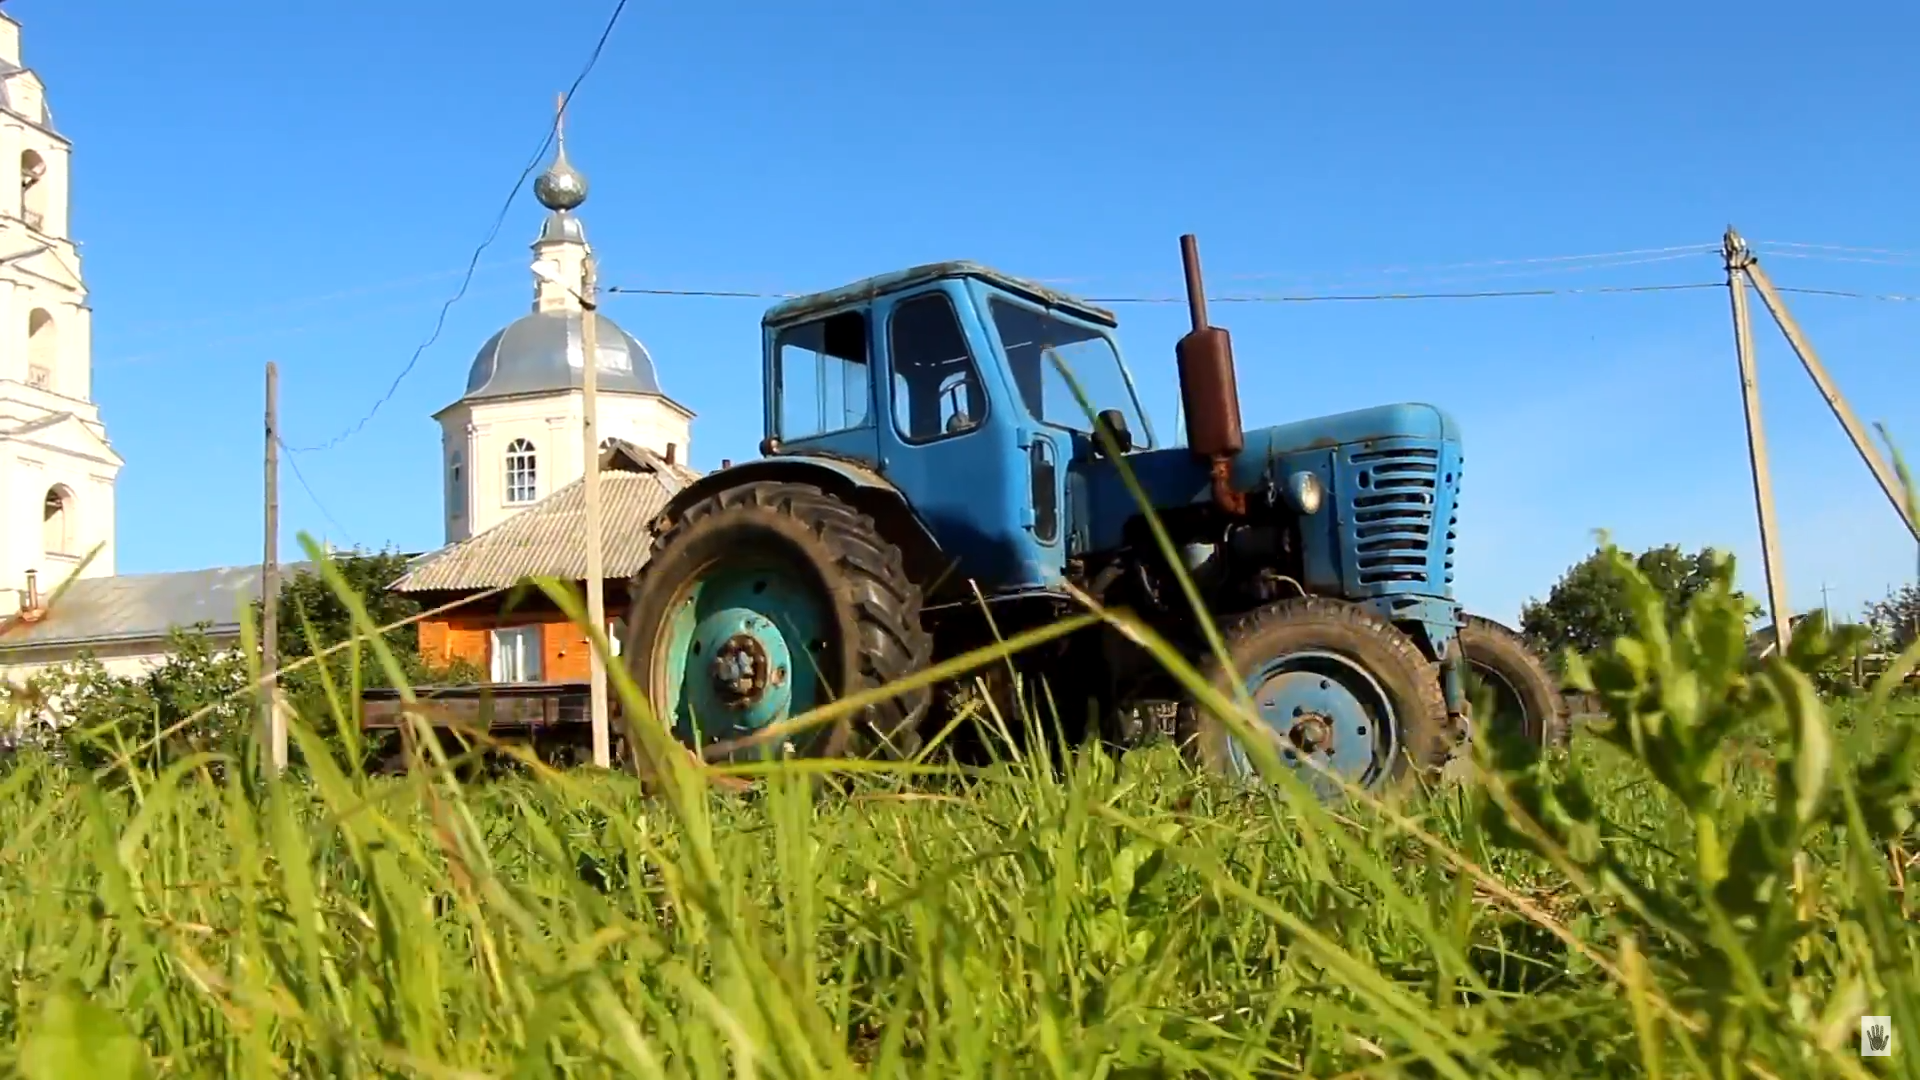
point(1029, 337)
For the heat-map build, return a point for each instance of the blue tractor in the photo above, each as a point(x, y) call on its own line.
point(929, 479)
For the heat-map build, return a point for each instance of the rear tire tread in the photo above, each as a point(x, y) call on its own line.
point(887, 640)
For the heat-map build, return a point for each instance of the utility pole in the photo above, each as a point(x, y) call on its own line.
point(1882, 472)
point(596, 592)
point(562, 190)
point(1738, 259)
point(273, 723)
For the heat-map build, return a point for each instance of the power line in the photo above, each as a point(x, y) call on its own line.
point(1298, 298)
point(308, 488)
point(1430, 280)
point(1850, 294)
point(1600, 258)
point(1905, 261)
point(1551, 264)
point(1848, 248)
point(1483, 294)
point(280, 332)
point(499, 220)
point(230, 315)
point(275, 332)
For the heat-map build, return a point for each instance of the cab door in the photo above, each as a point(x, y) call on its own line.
point(820, 377)
point(949, 442)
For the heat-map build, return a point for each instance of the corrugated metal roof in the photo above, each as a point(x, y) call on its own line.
point(132, 607)
point(547, 538)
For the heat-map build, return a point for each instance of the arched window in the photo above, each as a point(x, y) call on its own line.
point(43, 348)
point(456, 485)
point(523, 472)
point(33, 189)
point(56, 521)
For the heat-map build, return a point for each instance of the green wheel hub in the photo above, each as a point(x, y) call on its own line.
point(741, 652)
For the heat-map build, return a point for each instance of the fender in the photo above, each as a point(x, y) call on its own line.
point(853, 482)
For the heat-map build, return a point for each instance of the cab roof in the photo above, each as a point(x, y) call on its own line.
point(802, 307)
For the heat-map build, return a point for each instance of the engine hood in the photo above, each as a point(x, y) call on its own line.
point(1173, 476)
point(1266, 447)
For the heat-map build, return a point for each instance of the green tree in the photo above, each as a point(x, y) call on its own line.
point(312, 619)
point(95, 716)
point(1896, 620)
point(1588, 609)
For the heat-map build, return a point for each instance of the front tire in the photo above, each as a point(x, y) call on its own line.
point(1332, 681)
point(1526, 698)
point(765, 601)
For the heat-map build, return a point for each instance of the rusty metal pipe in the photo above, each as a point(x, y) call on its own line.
point(1196, 293)
point(1208, 392)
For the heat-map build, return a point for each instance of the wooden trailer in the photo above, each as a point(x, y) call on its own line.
point(552, 717)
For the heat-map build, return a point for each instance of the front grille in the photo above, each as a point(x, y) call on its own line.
point(1453, 512)
point(1390, 519)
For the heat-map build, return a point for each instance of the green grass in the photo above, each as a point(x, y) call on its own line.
point(1125, 919)
point(1712, 883)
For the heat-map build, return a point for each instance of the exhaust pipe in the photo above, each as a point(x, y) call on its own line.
point(1208, 391)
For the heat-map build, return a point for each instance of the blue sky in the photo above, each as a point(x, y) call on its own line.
point(304, 183)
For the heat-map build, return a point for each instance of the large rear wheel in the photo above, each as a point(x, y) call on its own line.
point(1332, 682)
point(765, 601)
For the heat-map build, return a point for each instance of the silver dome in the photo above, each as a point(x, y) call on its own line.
point(561, 187)
point(541, 352)
point(562, 228)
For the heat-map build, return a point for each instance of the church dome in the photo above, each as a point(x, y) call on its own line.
point(541, 353)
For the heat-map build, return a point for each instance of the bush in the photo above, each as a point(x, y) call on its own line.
point(92, 717)
point(1746, 907)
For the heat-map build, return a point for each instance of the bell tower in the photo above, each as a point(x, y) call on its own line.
point(57, 469)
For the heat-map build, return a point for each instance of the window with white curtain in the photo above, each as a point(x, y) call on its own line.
point(516, 654)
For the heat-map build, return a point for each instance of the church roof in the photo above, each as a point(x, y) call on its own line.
point(542, 352)
point(545, 352)
point(547, 538)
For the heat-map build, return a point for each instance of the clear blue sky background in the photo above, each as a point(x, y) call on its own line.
point(304, 182)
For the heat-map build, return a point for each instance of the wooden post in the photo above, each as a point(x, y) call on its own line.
point(1737, 259)
point(273, 722)
point(1883, 472)
point(596, 591)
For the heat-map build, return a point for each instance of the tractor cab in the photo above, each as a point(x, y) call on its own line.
point(941, 380)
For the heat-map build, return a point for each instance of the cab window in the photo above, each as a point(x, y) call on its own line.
point(937, 391)
point(823, 378)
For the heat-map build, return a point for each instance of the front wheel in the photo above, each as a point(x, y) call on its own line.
point(765, 601)
point(1330, 681)
point(1525, 698)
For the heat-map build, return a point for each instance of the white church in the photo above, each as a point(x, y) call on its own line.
point(516, 435)
point(512, 443)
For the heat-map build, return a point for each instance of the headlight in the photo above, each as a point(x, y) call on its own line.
point(1305, 492)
